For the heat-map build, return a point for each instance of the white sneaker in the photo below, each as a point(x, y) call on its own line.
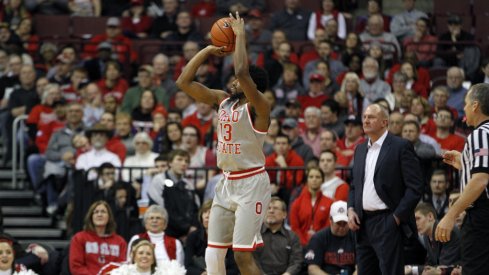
point(51, 210)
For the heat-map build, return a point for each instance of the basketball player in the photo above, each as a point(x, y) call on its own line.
point(242, 197)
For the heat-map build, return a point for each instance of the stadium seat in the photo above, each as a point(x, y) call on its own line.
point(450, 7)
point(147, 49)
point(87, 27)
point(57, 26)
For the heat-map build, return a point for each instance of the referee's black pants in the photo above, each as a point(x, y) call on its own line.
point(475, 240)
point(380, 245)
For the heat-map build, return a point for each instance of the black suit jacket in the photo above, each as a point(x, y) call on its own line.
point(397, 180)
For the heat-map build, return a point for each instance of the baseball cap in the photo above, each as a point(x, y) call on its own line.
point(454, 20)
point(289, 123)
point(338, 211)
point(316, 77)
point(354, 120)
point(113, 22)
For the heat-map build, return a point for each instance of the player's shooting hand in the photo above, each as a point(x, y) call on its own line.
point(237, 23)
point(217, 51)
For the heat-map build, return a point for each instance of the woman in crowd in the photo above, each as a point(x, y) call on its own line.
point(97, 244)
point(7, 256)
point(135, 22)
point(350, 97)
point(29, 39)
point(143, 262)
point(170, 138)
point(112, 82)
point(309, 213)
point(413, 83)
point(144, 157)
point(421, 108)
point(166, 248)
point(142, 116)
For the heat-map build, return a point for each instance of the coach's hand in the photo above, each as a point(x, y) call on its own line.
point(353, 219)
point(444, 228)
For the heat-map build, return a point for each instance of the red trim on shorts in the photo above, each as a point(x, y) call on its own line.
point(219, 246)
point(236, 175)
point(251, 249)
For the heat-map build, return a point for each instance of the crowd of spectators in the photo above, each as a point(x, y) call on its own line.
point(95, 107)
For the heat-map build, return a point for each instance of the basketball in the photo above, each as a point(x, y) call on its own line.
point(222, 34)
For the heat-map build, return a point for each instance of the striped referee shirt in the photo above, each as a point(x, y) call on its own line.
point(475, 157)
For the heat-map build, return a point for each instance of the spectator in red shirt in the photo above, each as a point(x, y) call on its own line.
point(121, 45)
point(43, 113)
point(204, 8)
point(309, 213)
point(135, 22)
point(353, 137)
point(112, 82)
point(284, 157)
point(315, 96)
point(97, 244)
point(413, 83)
point(202, 119)
point(71, 91)
point(113, 144)
point(444, 124)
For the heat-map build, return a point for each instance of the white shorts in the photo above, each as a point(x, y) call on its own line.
point(238, 210)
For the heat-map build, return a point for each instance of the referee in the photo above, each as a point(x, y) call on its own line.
point(474, 166)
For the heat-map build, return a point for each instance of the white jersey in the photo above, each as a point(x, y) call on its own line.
point(239, 144)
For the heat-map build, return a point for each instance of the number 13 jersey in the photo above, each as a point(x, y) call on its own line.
point(239, 144)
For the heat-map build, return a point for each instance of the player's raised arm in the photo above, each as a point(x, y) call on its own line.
point(197, 91)
point(241, 69)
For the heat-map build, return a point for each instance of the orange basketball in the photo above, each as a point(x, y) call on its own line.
point(222, 34)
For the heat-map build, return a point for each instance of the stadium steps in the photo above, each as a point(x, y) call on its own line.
point(25, 221)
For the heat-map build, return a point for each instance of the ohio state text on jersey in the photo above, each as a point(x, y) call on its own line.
point(239, 144)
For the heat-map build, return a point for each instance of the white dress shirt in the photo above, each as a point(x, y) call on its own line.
point(370, 198)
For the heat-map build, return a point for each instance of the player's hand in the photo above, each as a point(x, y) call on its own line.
point(237, 23)
point(353, 220)
point(217, 51)
point(453, 158)
point(444, 228)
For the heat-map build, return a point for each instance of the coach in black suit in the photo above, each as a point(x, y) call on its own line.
point(385, 189)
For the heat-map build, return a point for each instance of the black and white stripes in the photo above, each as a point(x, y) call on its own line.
point(475, 156)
